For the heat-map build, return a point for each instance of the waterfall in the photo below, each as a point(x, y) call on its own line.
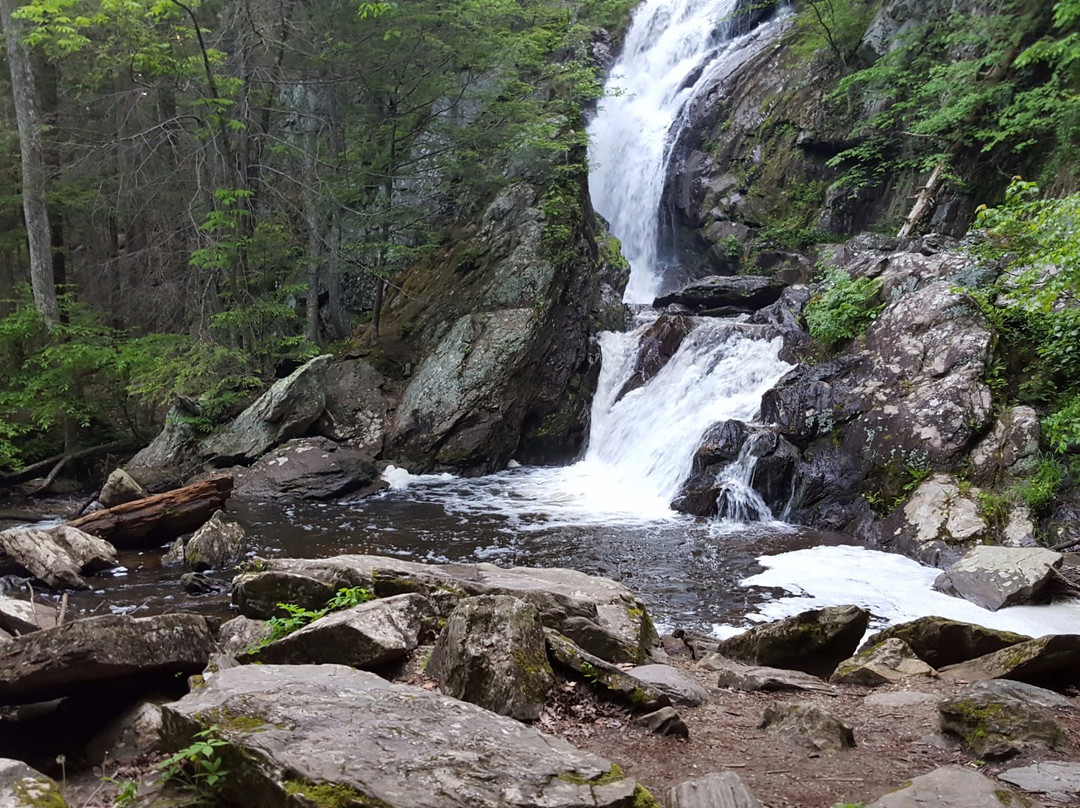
point(674, 50)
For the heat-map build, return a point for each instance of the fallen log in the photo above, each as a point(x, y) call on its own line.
point(57, 462)
point(152, 521)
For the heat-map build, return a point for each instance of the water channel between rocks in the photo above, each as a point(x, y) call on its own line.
point(609, 513)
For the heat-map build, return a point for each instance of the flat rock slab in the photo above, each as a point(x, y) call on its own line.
point(953, 787)
point(679, 687)
point(371, 634)
point(736, 676)
point(1036, 696)
point(716, 790)
point(996, 725)
point(306, 468)
point(813, 642)
point(1057, 777)
point(288, 734)
point(1052, 661)
point(994, 577)
point(22, 786)
point(603, 675)
point(51, 663)
point(939, 641)
point(558, 594)
point(903, 698)
point(886, 663)
point(22, 616)
point(742, 293)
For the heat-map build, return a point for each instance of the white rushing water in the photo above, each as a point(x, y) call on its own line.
point(673, 50)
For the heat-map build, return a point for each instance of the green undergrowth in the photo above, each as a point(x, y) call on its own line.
point(296, 617)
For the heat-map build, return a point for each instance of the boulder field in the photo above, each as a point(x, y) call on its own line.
point(470, 685)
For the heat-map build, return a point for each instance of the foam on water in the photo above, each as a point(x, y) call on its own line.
point(894, 588)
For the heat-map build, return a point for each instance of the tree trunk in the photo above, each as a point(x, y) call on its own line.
point(923, 202)
point(314, 256)
point(157, 519)
point(29, 121)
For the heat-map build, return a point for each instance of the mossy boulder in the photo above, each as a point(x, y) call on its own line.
point(814, 642)
point(994, 725)
point(939, 641)
point(885, 663)
point(1052, 661)
point(808, 725)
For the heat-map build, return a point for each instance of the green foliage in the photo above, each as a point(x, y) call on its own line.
point(1040, 489)
point(296, 617)
point(833, 26)
point(843, 309)
point(199, 768)
point(1034, 305)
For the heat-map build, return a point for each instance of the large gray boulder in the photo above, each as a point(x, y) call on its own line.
point(288, 739)
point(240, 635)
point(940, 520)
point(216, 545)
point(364, 636)
point(358, 400)
point(24, 787)
point(808, 725)
point(306, 468)
point(285, 411)
point(119, 488)
point(60, 556)
point(172, 456)
point(53, 662)
point(1053, 660)
point(558, 594)
point(998, 724)
point(657, 345)
point(995, 577)
point(715, 790)
point(953, 787)
point(882, 664)
point(939, 641)
point(814, 642)
point(492, 653)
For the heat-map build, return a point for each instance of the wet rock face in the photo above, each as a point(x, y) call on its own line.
point(287, 735)
point(658, 344)
point(724, 296)
point(503, 343)
point(492, 653)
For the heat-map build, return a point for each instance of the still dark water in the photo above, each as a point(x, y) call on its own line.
point(687, 571)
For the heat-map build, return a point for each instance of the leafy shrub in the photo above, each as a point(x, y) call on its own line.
point(1042, 486)
point(843, 309)
point(296, 617)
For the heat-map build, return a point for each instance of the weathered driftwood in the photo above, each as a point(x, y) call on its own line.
point(160, 518)
point(56, 463)
point(923, 202)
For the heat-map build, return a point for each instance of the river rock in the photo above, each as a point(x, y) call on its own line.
point(558, 594)
point(365, 636)
point(724, 294)
point(665, 721)
point(605, 676)
point(23, 616)
point(172, 456)
point(358, 399)
point(1059, 779)
point(939, 641)
point(492, 653)
point(216, 545)
point(953, 787)
point(22, 786)
point(657, 345)
point(679, 687)
point(133, 734)
point(814, 642)
point(885, 663)
point(120, 487)
point(53, 662)
point(60, 556)
point(996, 724)
point(287, 735)
point(601, 641)
point(715, 790)
point(737, 676)
point(285, 411)
point(994, 577)
point(1052, 661)
point(306, 468)
point(808, 725)
point(1030, 694)
point(242, 634)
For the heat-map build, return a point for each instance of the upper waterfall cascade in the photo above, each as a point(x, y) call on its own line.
point(674, 50)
